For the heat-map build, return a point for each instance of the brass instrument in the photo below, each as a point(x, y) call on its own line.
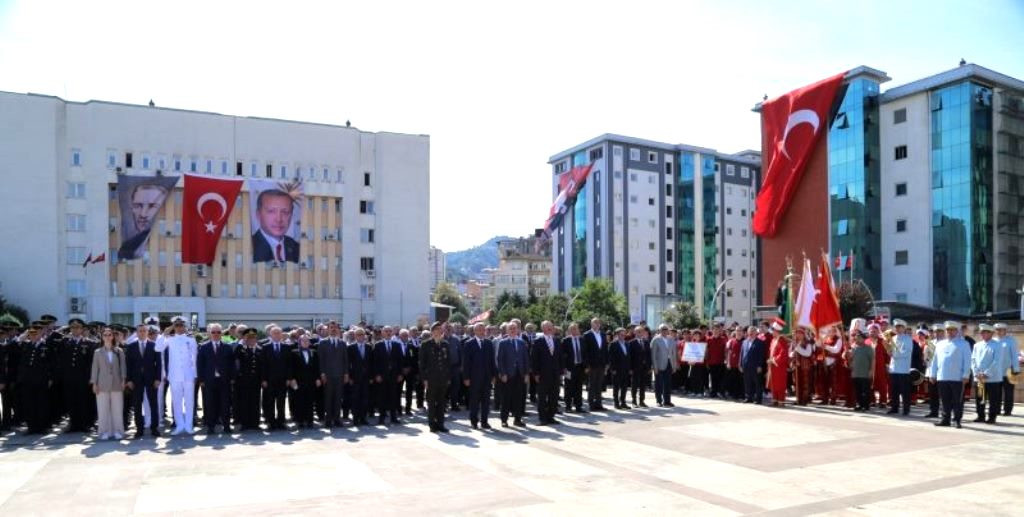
point(889, 341)
point(981, 389)
point(916, 377)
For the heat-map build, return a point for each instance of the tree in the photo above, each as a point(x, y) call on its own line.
point(598, 299)
point(458, 318)
point(553, 307)
point(507, 298)
point(16, 311)
point(9, 318)
point(855, 300)
point(681, 315)
point(447, 294)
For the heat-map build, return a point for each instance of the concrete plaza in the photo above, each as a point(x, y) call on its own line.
point(703, 457)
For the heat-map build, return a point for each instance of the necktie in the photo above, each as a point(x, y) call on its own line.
point(576, 349)
point(387, 347)
point(305, 356)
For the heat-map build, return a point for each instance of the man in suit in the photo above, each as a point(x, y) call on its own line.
point(304, 380)
point(454, 367)
point(575, 369)
point(619, 366)
point(360, 367)
point(145, 369)
point(547, 372)
point(435, 370)
point(513, 369)
point(387, 372)
point(249, 378)
point(752, 359)
point(276, 365)
point(640, 365)
point(478, 372)
point(529, 335)
point(216, 367)
point(595, 356)
point(333, 354)
point(271, 243)
point(411, 370)
point(664, 361)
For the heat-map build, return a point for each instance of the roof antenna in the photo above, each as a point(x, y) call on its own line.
point(348, 123)
point(151, 104)
point(963, 61)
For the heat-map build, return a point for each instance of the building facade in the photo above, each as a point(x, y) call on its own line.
point(62, 161)
point(662, 221)
point(436, 267)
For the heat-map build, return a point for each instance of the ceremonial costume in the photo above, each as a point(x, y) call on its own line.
point(778, 367)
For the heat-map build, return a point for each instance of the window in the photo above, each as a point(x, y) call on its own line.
point(668, 211)
point(632, 199)
point(650, 201)
point(728, 231)
point(177, 258)
point(668, 277)
point(76, 223)
point(111, 159)
point(668, 190)
point(632, 176)
point(327, 174)
point(284, 171)
point(743, 212)
point(238, 168)
point(177, 164)
point(366, 179)
point(269, 172)
point(668, 255)
point(366, 235)
point(650, 245)
point(366, 207)
point(728, 252)
point(633, 221)
point(901, 152)
point(668, 233)
point(560, 167)
point(899, 116)
point(617, 174)
point(901, 189)
point(76, 256)
point(76, 287)
point(650, 268)
point(728, 210)
point(843, 227)
point(323, 263)
point(901, 297)
point(224, 167)
point(650, 223)
point(192, 165)
point(743, 233)
point(901, 225)
point(76, 190)
point(76, 158)
point(745, 172)
point(730, 169)
point(367, 292)
point(634, 155)
point(366, 263)
point(650, 180)
point(901, 258)
point(652, 157)
point(596, 154)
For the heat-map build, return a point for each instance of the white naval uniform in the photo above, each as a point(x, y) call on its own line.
point(181, 374)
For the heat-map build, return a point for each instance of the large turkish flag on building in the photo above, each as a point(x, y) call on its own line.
point(206, 205)
point(792, 125)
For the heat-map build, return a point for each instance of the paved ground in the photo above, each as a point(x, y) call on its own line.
point(703, 457)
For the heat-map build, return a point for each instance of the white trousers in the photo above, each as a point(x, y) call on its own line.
point(109, 412)
point(183, 401)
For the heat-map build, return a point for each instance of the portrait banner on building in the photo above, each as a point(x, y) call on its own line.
point(140, 199)
point(275, 214)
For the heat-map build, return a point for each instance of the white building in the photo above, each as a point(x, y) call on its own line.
point(367, 195)
point(436, 267)
point(663, 221)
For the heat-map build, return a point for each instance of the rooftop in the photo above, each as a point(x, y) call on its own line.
point(651, 143)
point(965, 71)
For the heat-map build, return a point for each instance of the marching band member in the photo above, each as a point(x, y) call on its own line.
point(880, 383)
point(987, 364)
point(1011, 369)
point(901, 349)
point(778, 363)
point(861, 360)
point(950, 369)
point(802, 352)
point(831, 367)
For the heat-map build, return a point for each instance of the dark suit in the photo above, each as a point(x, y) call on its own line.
point(247, 386)
point(640, 366)
point(412, 378)
point(9, 352)
point(145, 369)
point(576, 370)
point(387, 364)
point(513, 362)
point(595, 356)
point(35, 373)
point(479, 369)
point(216, 370)
point(333, 354)
point(752, 357)
point(261, 251)
point(546, 366)
point(435, 369)
point(619, 364)
point(305, 371)
point(276, 368)
point(360, 367)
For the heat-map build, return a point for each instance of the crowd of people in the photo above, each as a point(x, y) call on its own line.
point(81, 377)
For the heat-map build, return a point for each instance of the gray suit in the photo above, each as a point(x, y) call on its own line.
point(513, 361)
point(665, 360)
point(333, 354)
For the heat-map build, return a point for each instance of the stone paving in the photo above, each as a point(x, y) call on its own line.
point(704, 457)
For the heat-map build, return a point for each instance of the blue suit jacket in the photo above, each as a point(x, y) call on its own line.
point(513, 360)
point(752, 356)
point(618, 359)
point(143, 362)
point(209, 364)
point(478, 362)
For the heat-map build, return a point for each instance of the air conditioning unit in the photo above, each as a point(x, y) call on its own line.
point(330, 237)
point(112, 229)
point(370, 273)
point(118, 170)
point(303, 265)
point(167, 233)
point(201, 271)
point(76, 305)
point(231, 235)
point(305, 235)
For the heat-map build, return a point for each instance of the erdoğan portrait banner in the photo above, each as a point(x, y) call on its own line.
point(275, 214)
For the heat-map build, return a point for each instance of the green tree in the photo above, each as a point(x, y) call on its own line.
point(507, 298)
point(681, 315)
point(447, 294)
point(16, 311)
point(597, 298)
point(855, 300)
point(10, 318)
point(510, 312)
point(458, 318)
point(553, 307)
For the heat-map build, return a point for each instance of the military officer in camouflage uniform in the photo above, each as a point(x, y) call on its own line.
point(435, 371)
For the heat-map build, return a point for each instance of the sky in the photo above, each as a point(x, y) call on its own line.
point(498, 86)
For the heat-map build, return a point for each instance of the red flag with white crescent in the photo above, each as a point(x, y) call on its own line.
point(569, 185)
point(825, 311)
point(206, 205)
point(793, 125)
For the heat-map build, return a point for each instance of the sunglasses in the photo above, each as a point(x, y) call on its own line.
point(215, 332)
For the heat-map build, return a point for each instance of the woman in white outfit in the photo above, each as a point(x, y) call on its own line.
point(108, 374)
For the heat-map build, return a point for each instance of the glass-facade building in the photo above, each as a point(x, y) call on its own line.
point(579, 217)
point(854, 177)
point(686, 224)
point(962, 207)
point(710, 230)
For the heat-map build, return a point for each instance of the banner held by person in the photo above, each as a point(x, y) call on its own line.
point(140, 200)
point(275, 213)
point(206, 206)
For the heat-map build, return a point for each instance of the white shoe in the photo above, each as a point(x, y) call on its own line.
point(104, 436)
point(118, 436)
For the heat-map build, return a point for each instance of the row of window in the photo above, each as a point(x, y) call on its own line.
point(367, 292)
point(195, 164)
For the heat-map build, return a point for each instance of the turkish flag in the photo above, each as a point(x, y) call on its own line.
point(206, 205)
point(569, 185)
point(793, 125)
point(825, 310)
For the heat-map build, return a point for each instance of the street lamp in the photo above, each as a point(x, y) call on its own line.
point(714, 298)
point(1021, 293)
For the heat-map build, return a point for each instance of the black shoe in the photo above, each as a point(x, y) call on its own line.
point(991, 422)
point(519, 423)
point(626, 406)
point(553, 422)
point(380, 421)
point(942, 423)
point(669, 404)
point(979, 419)
point(643, 405)
point(486, 426)
point(581, 410)
point(408, 411)
point(504, 423)
point(154, 433)
point(443, 429)
point(957, 424)
point(932, 415)
point(892, 412)
point(473, 425)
